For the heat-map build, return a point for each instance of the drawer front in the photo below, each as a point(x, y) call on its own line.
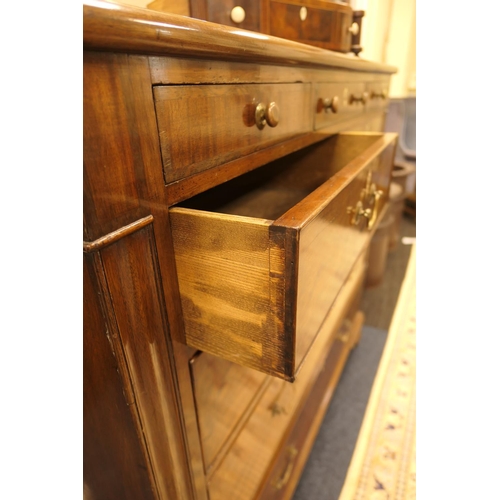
point(330, 245)
point(256, 291)
point(202, 126)
point(266, 459)
point(225, 394)
point(290, 463)
point(323, 27)
point(337, 101)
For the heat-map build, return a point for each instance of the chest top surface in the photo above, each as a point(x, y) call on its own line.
point(115, 27)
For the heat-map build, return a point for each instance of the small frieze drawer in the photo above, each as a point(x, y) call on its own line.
point(336, 102)
point(202, 126)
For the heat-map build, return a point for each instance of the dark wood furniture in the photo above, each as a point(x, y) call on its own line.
point(322, 23)
point(232, 184)
point(357, 18)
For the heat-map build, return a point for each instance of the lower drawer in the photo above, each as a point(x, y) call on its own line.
point(261, 259)
point(285, 474)
point(225, 394)
point(269, 452)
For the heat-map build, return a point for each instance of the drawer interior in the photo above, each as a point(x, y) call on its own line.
point(270, 191)
point(262, 258)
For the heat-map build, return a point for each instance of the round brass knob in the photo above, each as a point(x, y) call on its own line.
point(238, 14)
point(267, 114)
point(378, 95)
point(363, 98)
point(272, 114)
point(328, 103)
point(303, 13)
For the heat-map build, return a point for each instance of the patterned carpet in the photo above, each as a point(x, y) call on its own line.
point(383, 463)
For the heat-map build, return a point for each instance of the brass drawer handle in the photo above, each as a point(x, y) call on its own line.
point(371, 196)
point(374, 215)
point(345, 331)
point(292, 453)
point(328, 103)
point(378, 95)
point(358, 212)
point(267, 114)
point(363, 98)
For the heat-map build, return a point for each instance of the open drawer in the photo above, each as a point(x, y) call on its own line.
point(261, 259)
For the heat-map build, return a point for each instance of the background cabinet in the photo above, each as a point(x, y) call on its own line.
point(322, 23)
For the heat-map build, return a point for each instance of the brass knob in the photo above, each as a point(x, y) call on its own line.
point(371, 195)
point(358, 212)
point(368, 192)
point(377, 193)
point(363, 98)
point(281, 481)
point(328, 103)
point(377, 95)
point(269, 114)
point(237, 14)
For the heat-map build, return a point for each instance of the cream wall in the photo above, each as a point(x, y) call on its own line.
point(389, 35)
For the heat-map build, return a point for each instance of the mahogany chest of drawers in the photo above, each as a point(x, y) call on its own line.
point(232, 184)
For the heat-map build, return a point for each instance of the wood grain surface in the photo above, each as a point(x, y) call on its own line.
point(218, 123)
point(219, 11)
point(116, 464)
point(253, 467)
point(124, 28)
point(180, 7)
point(132, 275)
point(225, 394)
point(152, 428)
point(326, 24)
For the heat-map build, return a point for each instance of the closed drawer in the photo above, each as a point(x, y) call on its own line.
point(270, 450)
point(202, 126)
point(326, 24)
point(225, 394)
point(289, 465)
point(261, 259)
point(336, 102)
